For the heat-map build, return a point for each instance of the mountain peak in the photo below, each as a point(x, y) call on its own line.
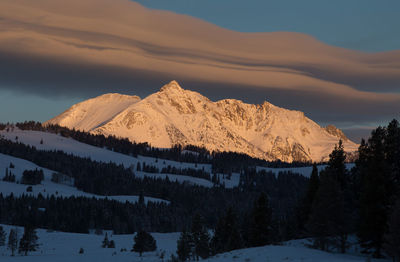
point(178, 116)
point(171, 86)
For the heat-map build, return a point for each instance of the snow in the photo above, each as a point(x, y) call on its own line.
point(60, 247)
point(47, 187)
point(284, 253)
point(177, 116)
point(229, 183)
point(91, 113)
point(71, 146)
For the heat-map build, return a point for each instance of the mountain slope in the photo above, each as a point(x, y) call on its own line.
point(91, 113)
point(177, 116)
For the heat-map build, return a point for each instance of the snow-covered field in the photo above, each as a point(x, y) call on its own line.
point(47, 187)
point(60, 247)
point(284, 253)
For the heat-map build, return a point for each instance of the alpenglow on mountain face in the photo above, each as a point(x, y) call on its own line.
point(177, 116)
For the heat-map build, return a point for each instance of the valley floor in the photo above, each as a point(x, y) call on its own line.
point(63, 247)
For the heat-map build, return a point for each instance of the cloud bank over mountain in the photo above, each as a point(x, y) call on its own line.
point(84, 48)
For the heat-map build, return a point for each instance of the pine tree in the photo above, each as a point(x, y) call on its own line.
point(392, 237)
point(329, 221)
point(184, 246)
point(336, 165)
point(304, 209)
point(111, 244)
point(105, 242)
point(322, 224)
point(226, 234)
point(144, 242)
point(13, 241)
point(260, 222)
point(392, 150)
point(141, 199)
point(2, 236)
point(200, 238)
point(28, 241)
point(373, 197)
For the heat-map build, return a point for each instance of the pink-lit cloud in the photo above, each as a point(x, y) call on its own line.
point(83, 46)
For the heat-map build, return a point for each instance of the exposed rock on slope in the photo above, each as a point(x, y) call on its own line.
point(177, 116)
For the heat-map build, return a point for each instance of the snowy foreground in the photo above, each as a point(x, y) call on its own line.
point(58, 246)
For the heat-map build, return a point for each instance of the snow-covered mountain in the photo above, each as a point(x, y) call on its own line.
point(177, 116)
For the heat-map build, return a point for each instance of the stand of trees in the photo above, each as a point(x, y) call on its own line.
point(32, 177)
point(362, 201)
point(222, 162)
point(231, 232)
point(28, 242)
point(9, 177)
point(80, 214)
point(99, 178)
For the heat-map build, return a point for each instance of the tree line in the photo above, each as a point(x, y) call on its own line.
point(111, 179)
point(222, 162)
point(364, 201)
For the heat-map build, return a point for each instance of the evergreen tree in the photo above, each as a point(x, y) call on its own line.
point(184, 246)
point(105, 242)
point(260, 222)
point(330, 218)
point(13, 241)
point(141, 199)
point(326, 212)
point(200, 238)
point(28, 241)
point(392, 237)
point(304, 210)
point(392, 150)
point(2, 236)
point(226, 234)
point(144, 242)
point(373, 198)
point(336, 165)
point(111, 244)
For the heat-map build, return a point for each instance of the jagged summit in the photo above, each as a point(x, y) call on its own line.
point(171, 86)
point(177, 116)
point(114, 96)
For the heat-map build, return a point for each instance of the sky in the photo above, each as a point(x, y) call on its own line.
point(337, 61)
point(366, 25)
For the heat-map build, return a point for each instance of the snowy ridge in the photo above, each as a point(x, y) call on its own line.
point(177, 116)
point(47, 187)
point(92, 113)
point(71, 146)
